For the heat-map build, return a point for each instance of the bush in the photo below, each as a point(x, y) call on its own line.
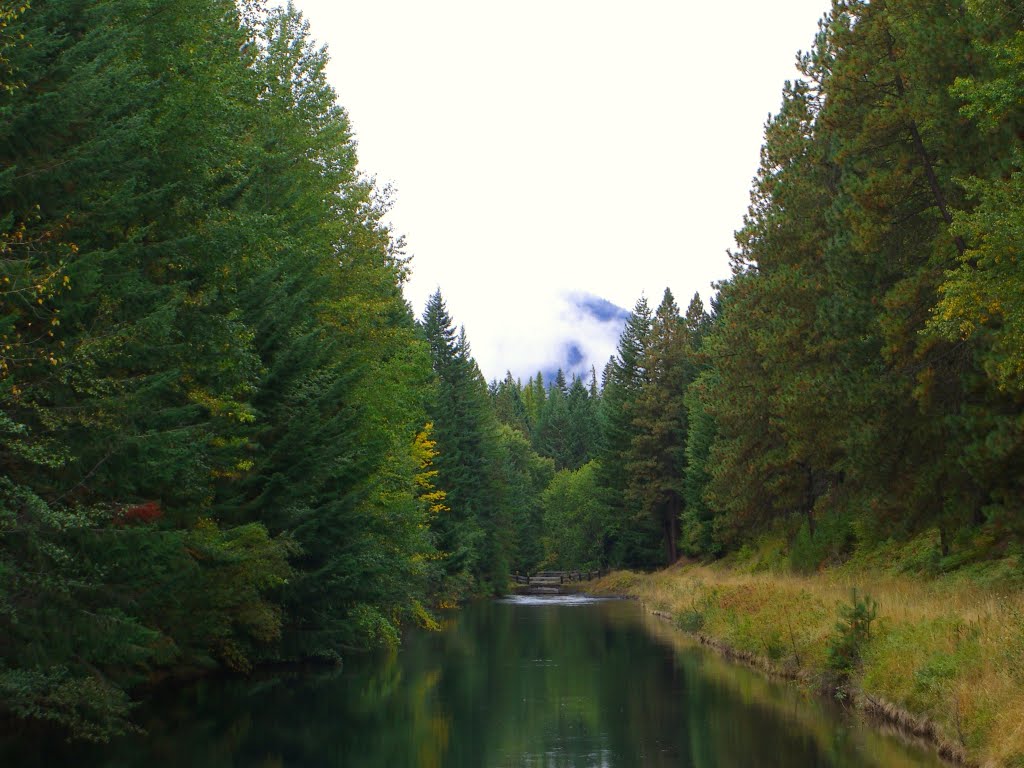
point(832, 543)
point(690, 620)
point(852, 633)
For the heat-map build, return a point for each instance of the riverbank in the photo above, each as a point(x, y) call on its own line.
point(943, 658)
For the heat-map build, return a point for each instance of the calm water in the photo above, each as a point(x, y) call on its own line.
point(525, 682)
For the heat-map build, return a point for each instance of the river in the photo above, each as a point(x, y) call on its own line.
point(544, 682)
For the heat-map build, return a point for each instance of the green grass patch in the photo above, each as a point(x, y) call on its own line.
point(946, 647)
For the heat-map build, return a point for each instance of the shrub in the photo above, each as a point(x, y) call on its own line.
point(852, 632)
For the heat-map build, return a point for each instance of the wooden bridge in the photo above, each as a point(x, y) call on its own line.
point(550, 581)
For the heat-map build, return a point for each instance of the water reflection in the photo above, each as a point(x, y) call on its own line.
point(567, 599)
point(527, 682)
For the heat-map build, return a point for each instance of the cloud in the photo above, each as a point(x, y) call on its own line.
point(571, 330)
point(521, 179)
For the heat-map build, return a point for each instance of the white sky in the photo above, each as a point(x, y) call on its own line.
point(539, 148)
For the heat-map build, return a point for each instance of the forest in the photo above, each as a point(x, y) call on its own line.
point(228, 440)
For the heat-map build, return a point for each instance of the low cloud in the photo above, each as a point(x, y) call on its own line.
point(569, 330)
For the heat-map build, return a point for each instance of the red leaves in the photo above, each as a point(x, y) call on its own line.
point(146, 512)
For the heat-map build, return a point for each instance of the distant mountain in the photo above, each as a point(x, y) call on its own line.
point(586, 335)
point(600, 309)
point(571, 330)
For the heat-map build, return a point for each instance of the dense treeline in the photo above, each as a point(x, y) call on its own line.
point(865, 377)
point(214, 430)
point(227, 440)
point(861, 376)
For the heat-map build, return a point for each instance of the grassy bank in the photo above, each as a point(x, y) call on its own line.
point(944, 655)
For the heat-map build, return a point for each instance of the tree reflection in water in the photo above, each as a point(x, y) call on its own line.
point(533, 682)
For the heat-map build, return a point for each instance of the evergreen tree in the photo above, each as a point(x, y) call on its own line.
point(776, 456)
point(628, 540)
point(697, 535)
point(534, 397)
point(582, 405)
point(551, 436)
point(844, 379)
point(215, 326)
point(475, 537)
point(656, 458)
point(980, 302)
point(509, 405)
point(343, 377)
point(892, 124)
point(114, 447)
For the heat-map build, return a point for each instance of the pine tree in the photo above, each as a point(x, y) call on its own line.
point(509, 405)
point(552, 433)
point(838, 387)
point(627, 540)
point(891, 122)
point(115, 444)
point(980, 302)
point(697, 534)
point(656, 459)
point(475, 538)
point(775, 368)
point(221, 331)
point(582, 404)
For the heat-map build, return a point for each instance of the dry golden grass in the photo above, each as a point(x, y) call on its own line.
point(948, 653)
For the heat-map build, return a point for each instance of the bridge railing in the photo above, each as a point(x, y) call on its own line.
point(551, 578)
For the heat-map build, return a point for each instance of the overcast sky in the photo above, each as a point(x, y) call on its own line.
point(546, 148)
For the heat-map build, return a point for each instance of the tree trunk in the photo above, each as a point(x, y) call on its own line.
point(926, 161)
point(671, 529)
point(809, 500)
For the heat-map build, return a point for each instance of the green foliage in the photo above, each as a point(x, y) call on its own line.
point(210, 382)
point(630, 539)
point(213, 395)
point(697, 533)
point(860, 369)
point(87, 707)
point(655, 507)
point(852, 633)
point(552, 433)
point(692, 619)
point(524, 477)
point(582, 404)
point(574, 519)
point(237, 569)
point(656, 458)
point(566, 428)
point(510, 405)
point(832, 543)
point(476, 537)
